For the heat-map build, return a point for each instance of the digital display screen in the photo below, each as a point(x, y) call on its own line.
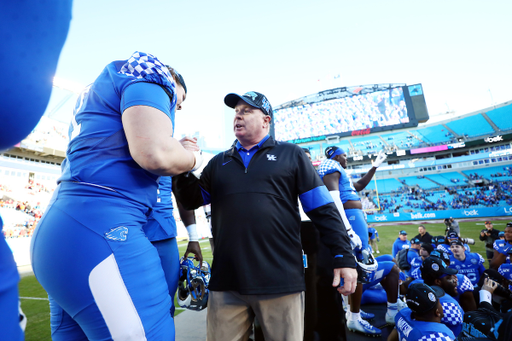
point(378, 109)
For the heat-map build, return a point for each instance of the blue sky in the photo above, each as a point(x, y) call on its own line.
point(459, 50)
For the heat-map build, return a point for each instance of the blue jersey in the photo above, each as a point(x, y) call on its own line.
point(411, 330)
point(414, 259)
point(503, 247)
point(472, 267)
point(372, 233)
point(98, 152)
point(399, 245)
point(161, 223)
point(346, 187)
point(453, 313)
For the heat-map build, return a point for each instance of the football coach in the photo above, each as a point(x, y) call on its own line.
point(253, 188)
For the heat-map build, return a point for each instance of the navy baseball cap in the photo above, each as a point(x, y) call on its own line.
point(452, 235)
point(403, 232)
point(332, 151)
point(441, 255)
point(415, 241)
point(457, 242)
point(254, 99)
point(421, 298)
point(433, 268)
point(501, 234)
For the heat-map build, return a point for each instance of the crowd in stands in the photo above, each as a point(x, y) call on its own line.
point(24, 223)
point(464, 196)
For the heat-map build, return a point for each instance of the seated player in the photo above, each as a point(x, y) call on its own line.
point(422, 319)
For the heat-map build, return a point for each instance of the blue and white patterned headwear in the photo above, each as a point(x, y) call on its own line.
point(146, 67)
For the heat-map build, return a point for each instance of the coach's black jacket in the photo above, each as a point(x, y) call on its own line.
point(256, 221)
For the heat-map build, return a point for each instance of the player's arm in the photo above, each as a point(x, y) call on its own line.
point(189, 220)
point(331, 181)
point(497, 259)
point(365, 180)
point(149, 134)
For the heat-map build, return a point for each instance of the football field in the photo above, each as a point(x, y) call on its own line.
point(35, 304)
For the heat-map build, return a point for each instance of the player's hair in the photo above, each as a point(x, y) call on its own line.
point(177, 77)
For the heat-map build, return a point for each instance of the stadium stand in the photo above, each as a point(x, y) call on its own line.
point(435, 134)
point(447, 179)
point(420, 182)
point(501, 117)
point(471, 126)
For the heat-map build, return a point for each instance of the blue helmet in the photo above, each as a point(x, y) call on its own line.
point(193, 284)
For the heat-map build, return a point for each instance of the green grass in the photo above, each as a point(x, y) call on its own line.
point(38, 312)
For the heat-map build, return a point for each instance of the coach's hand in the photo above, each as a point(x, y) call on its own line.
point(349, 276)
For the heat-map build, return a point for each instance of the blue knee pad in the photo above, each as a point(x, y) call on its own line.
point(356, 218)
point(382, 271)
point(374, 296)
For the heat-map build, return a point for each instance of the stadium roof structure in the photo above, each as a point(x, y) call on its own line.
point(346, 91)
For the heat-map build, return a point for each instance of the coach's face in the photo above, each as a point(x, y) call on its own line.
point(250, 124)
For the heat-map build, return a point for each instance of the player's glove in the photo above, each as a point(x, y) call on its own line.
point(381, 157)
point(378, 239)
point(355, 241)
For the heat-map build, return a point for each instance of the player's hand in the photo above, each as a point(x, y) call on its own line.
point(378, 239)
point(381, 157)
point(349, 276)
point(189, 143)
point(355, 241)
point(193, 247)
point(489, 285)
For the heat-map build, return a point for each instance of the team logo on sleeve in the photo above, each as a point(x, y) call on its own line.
point(118, 234)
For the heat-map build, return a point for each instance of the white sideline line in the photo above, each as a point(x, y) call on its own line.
point(34, 298)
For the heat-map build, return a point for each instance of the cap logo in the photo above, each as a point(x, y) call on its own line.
point(431, 296)
point(266, 105)
point(435, 267)
point(251, 94)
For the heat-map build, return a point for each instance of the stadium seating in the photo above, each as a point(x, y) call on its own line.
point(471, 126)
point(423, 183)
point(435, 134)
point(501, 117)
point(446, 179)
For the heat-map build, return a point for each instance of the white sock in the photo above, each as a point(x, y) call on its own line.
point(353, 316)
point(392, 308)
